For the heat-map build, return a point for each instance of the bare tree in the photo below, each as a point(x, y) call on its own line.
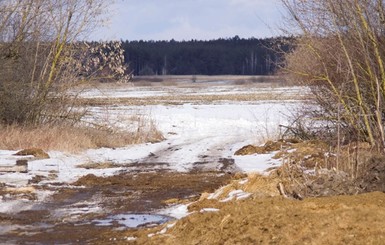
point(340, 54)
point(39, 56)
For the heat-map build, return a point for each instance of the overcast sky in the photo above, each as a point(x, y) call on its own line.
point(191, 19)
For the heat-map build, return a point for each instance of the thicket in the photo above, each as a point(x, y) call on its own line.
point(41, 58)
point(340, 55)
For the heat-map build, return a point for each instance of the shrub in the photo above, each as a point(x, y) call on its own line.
point(340, 55)
point(41, 58)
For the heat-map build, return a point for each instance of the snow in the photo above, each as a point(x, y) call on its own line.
point(11, 206)
point(196, 131)
point(236, 194)
point(216, 194)
point(203, 210)
point(244, 181)
point(130, 238)
point(198, 89)
point(197, 136)
point(257, 162)
point(177, 211)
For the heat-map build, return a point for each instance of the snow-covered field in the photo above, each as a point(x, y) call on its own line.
point(197, 136)
point(188, 88)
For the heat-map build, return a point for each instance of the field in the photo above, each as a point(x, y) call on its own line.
point(181, 185)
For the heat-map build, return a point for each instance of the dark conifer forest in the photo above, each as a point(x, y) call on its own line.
point(232, 56)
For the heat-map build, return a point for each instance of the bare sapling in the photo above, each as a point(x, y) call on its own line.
point(340, 55)
point(42, 58)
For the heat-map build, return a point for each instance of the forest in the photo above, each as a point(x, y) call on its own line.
point(231, 56)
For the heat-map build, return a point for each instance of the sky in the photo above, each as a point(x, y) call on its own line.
point(190, 19)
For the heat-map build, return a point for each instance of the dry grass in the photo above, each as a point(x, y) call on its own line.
point(180, 99)
point(71, 139)
point(187, 81)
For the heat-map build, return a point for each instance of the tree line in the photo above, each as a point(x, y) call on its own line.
point(231, 56)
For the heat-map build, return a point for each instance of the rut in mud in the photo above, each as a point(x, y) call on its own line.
point(75, 209)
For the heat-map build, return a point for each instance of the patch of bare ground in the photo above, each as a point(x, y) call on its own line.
point(197, 79)
point(265, 217)
point(314, 198)
point(332, 220)
point(175, 87)
point(160, 189)
point(180, 99)
point(190, 81)
point(67, 211)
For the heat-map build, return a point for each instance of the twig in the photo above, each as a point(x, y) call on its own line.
point(282, 190)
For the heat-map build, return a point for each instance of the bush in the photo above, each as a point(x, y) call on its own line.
point(41, 58)
point(340, 55)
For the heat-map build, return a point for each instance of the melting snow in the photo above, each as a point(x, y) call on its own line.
point(203, 210)
point(177, 211)
point(202, 134)
point(236, 194)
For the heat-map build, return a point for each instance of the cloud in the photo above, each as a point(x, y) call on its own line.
point(190, 19)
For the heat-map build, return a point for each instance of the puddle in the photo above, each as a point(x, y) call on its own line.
point(94, 207)
point(133, 220)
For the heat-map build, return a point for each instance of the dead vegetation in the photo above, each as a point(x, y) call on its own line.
point(340, 55)
point(184, 98)
point(173, 79)
point(72, 139)
point(313, 168)
point(36, 152)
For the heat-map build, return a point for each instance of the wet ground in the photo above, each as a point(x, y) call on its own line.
point(84, 210)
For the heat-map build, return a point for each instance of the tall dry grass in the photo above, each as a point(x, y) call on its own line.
point(72, 139)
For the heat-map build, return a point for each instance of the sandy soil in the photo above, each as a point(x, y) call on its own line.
point(263, 218)
point(331, 220)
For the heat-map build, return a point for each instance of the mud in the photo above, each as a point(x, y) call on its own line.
point(323, 205)
point(267, 218)
point(69, 215)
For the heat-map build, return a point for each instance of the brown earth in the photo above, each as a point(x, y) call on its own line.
point(330, 220)
point(60, 219)
point(264, 218)
point(267, 218)
point(324, 205)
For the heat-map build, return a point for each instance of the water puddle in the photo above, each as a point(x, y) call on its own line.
point(133, 220)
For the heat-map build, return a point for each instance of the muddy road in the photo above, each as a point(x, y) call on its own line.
point(93, 205)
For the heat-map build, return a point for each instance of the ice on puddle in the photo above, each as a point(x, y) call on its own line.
point(133, 220)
